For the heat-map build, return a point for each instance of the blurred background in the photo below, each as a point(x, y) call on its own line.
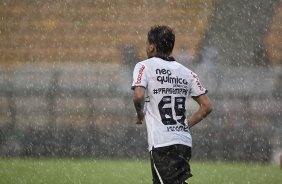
point(66, 69)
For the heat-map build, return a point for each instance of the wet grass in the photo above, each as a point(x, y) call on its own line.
point(235, 173)
point(84, 171)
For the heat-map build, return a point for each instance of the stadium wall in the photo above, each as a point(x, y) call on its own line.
point(86, 111)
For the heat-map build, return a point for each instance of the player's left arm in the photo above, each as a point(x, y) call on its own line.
point(205, 108)
point(139, 101)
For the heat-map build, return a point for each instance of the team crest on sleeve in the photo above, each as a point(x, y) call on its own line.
point(140, 74)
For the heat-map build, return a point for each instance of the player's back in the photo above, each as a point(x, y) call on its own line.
point(166, 77)
point(168, 85)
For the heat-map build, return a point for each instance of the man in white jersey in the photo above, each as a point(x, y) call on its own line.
point(161, 86)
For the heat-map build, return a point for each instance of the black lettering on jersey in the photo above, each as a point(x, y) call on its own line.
point(163, 72)
point(164, 76)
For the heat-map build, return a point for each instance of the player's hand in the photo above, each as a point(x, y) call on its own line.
point(139, 117)
point(138, 122)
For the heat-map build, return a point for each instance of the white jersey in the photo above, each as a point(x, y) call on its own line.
point(167, 85)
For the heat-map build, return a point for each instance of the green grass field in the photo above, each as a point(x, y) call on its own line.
point(84, 171)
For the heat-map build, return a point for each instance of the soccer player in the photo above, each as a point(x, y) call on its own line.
point(161, 86)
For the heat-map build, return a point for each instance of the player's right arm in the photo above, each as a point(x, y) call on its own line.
point(199, 94)
point(204, 109)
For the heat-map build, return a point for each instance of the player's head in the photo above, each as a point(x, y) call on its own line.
point(160, 41)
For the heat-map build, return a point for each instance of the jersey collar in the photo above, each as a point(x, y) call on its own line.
point(168, 58)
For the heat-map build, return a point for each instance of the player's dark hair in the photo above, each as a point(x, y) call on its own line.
point(163, 37)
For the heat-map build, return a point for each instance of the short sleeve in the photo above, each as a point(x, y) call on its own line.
point(196, 88)
point(139, 76)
